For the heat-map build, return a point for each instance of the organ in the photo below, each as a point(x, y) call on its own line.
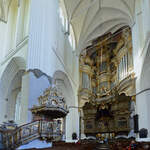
point(107, 79)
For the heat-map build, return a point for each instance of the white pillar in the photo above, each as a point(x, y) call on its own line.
point(72, 125)
point(3, 108)
point(72, 118)
point(143, 105)
point(146, 18)
point(82, 124)
point(24, 99)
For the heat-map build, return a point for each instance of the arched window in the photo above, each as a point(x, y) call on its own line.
point(63, 19)
point(61, 15)
point(18, 107)
point(72, 38)
point(67, 27)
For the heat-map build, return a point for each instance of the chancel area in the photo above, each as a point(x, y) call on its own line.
point(75, 74)
point(107, 90)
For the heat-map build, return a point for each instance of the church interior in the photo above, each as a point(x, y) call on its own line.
point(74, 74)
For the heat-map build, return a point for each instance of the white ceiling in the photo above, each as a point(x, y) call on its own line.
point(92, 18)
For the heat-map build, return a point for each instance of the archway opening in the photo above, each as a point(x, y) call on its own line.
point(10, 86)
point(71, 122)
point(14, 98)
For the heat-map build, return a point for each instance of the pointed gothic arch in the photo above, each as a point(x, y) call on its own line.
point(62, 82)
point(9, 81)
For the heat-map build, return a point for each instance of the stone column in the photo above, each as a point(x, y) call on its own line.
point(3, 108)
point(71, 125)
point(82, 125)
point(146, 19)
point(24, 99)
point(143, 107)
point(59, 83)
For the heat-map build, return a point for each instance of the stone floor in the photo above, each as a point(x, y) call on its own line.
point(69, 146)
point(117, 145)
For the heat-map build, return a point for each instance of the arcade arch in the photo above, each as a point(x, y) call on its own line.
point(62, 82)
point(10, 86)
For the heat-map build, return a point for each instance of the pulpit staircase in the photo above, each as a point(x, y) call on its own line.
point(44, 130)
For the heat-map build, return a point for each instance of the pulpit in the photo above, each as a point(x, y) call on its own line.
point(47, 123)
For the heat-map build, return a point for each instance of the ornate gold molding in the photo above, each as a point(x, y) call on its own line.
point(102, 61)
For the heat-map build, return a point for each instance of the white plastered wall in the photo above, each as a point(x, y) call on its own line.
point(8, 69)
point(13, 56)
point(141, 39)
point(50, 51)
point(36, 87)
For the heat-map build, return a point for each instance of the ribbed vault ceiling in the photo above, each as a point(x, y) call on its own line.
point(93, 18)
